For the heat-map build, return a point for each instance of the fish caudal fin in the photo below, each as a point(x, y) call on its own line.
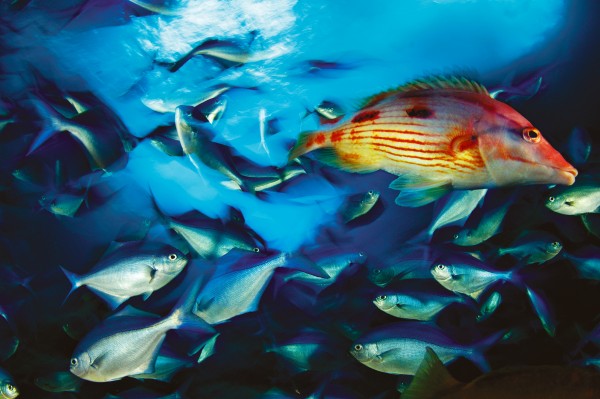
point(73, 279)
point(431, 379)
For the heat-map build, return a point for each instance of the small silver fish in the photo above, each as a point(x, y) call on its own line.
point(582, 197)
point(358, 205)
point(488, 226)
point(127, 345)
point(455, 208)
point(533, 247)
point(129, 271)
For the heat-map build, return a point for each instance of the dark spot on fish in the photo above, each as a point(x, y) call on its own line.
point(336, 136)
point(365, 116)
point(419, 112)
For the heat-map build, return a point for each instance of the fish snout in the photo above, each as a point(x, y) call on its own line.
point(567, 175)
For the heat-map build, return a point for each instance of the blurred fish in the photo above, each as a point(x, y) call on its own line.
point(127, 345)
point(358, 205)
point(196, 140)
point(239, 288)
point(59, 381)
point(398, 348)
point(8, 389)
point(310, 350)
point(462, 273)
point(522, 91)
point(533, 247)
point(418, 300)
point(100, 133)
point(166, 139)
point(488, 226)
point(579, 146)
point(489, 306)
point(333, 262)
point(165, 9)
point(129, 271)
point(211, 238)
point(432, 381)
point(455, 208)
point(256, 181)
point(543, 310)
point(465, 134)
point(591, 221)
point(63, 203)
point(582, 197)
point(210, 110)
point(587, 261)
point(328, 112)
point(412, 262)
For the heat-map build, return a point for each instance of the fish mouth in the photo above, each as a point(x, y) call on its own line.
point(566, 176)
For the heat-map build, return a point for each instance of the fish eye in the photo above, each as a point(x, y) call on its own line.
point(370, 192)
point(74, 362)
point(377, 271)
point(456, 236)
point(532, 135)
point(173, 257)
point(358, 347)
point(551, 198)
point(256, 249)
point(440, 267)
point(382, 297)
point(11, 388)
point(556, 244)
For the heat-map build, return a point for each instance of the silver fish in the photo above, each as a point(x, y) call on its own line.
point(582, 197)
point(129, 271)
point(467, 275)
point(455, 208)
point(533, 247)
point(358, 204)
point(127, 345)
point(398, 348)
point(239, 289)
point(488, 226)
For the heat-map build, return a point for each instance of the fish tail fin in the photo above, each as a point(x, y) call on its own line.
point(476, 352)
point(431, 379)
point(301, 263)
point(183, 315)
point(73, 279)
point(51, 125)
point(543, 310)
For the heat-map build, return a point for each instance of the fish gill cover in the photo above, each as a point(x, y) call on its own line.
point(135, 133)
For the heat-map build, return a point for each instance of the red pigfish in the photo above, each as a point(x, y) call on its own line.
point(437, 134)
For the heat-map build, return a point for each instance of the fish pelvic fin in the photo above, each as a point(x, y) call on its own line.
point(74, 279)
point(431, 379)
point(415, 193)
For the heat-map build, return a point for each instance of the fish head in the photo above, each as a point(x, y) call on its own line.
point(463, 237)
point(172, 262)
point(515, 152)
point(381, 276)
point(8, 389)
point(566, 202)
point(385, 302)
point(553, 247)
point(364, 352)
point(80, 365)
point(441, 272)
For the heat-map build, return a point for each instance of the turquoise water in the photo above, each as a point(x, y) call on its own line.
point(301, 53)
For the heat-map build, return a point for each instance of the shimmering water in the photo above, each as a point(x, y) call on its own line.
point(116, 58)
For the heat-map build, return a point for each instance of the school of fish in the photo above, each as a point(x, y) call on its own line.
point(109, 296)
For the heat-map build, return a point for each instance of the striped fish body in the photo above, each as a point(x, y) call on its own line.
point(436, 135)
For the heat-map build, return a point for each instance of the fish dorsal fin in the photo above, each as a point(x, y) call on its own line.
point(435, 82)
point(431, 379)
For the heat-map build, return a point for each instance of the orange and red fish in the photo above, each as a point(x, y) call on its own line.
point(437, 134)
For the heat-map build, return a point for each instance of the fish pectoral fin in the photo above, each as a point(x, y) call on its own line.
point(112, 300)
point(416, 192)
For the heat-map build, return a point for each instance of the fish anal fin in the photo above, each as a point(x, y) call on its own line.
point(431, 379)
point(416, 192)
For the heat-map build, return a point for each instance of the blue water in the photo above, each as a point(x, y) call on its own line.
point(118, 51)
